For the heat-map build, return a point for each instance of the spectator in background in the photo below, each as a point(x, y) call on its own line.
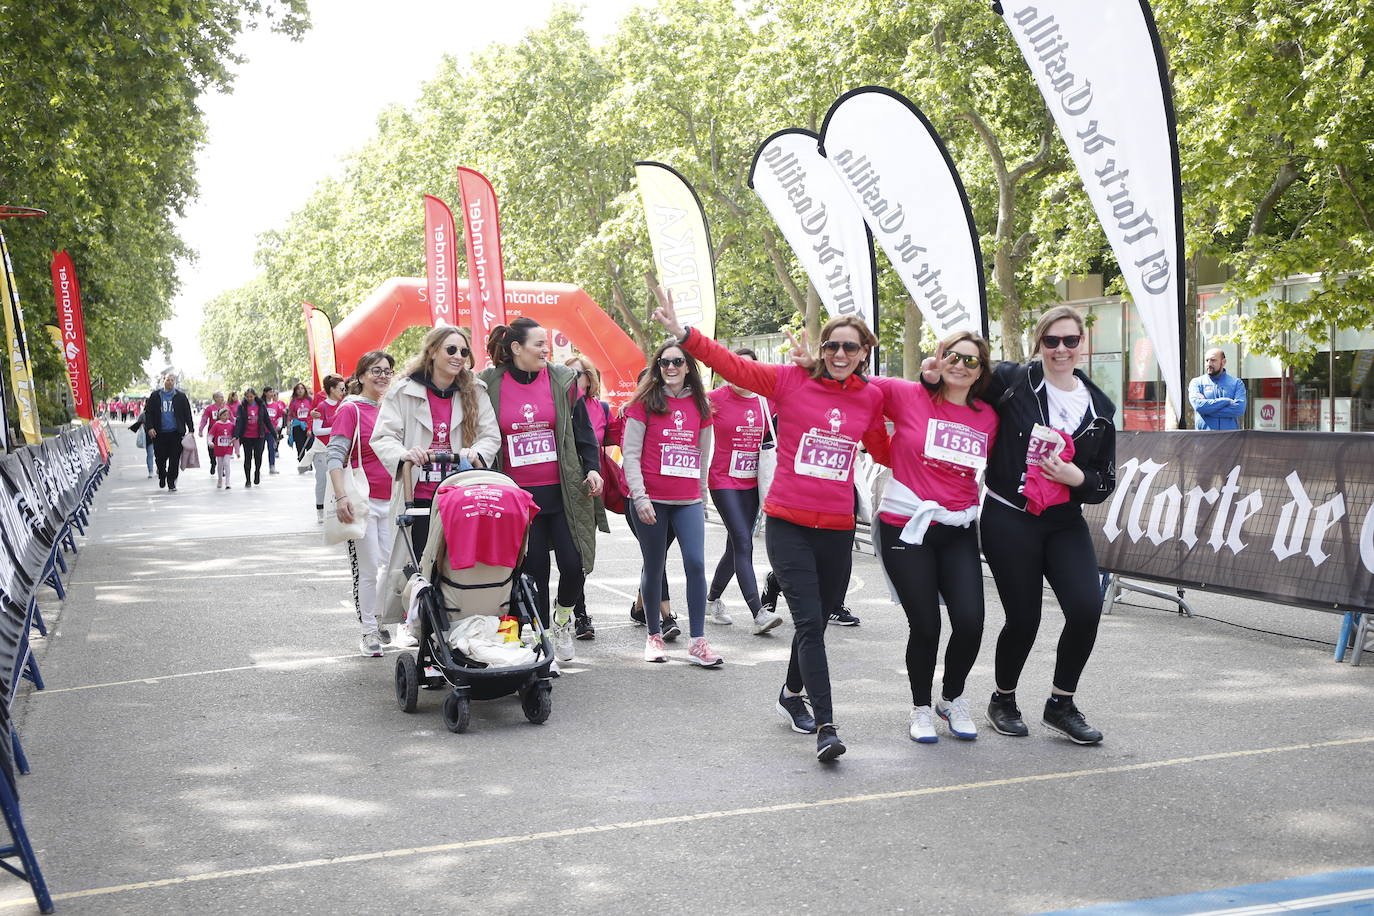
point(166, 418)
point(1218, 398)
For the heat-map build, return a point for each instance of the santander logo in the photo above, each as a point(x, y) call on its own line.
point(72, 350)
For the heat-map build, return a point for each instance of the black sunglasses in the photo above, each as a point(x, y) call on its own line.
point(451, 349)
point(833, 346)
point(677, 361)
point(970, 361)
point(1069, 340)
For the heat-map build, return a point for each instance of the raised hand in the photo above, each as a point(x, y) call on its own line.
point(665, 314)
point(801, 351)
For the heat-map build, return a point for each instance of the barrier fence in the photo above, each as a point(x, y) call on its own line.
point(45, 496)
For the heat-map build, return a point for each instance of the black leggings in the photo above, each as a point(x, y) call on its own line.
point(738, 510)
point(551, 532)
point(945, 563)
point(812, 566)
point(300, 438)
point(1022, 549)
point(252, 458)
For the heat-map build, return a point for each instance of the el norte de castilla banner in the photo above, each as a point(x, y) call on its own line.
point(1101, 69)
point(823, 226)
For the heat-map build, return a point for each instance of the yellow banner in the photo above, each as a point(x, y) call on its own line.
point(17, 352)
point(55, 333)
point(681, 243)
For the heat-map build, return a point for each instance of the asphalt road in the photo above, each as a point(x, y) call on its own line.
point(210, 741)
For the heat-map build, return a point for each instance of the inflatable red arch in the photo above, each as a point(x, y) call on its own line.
point(401, 302)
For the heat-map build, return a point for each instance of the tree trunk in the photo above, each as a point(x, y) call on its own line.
point(911, 342)
point(813, 314)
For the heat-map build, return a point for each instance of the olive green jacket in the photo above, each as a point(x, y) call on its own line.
point(584, 513)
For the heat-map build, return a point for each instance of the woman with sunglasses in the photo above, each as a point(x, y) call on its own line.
point(810, 506)
point(667, 434)
point(741, 419)
point(549, 449)
point(587, 388)
point(927, 528)
point(1041, 405)
point(370, 554)
point(436, 405)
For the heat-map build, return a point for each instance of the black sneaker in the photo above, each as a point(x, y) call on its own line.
point(637, 614)
point(161, 482)
point(1005, 717)
point(772, 588)
point(671, 630)
point(796, 714)
point(842, 618)
point(828, 744)
point(1067, 719)
point(582, 627)
point(257, 476)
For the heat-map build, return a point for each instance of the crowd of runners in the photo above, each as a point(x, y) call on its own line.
point(986, 462)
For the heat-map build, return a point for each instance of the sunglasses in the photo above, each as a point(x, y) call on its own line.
point(969, 361)
point(834, 346)
point(677, 362)
point(452, 349)
point(381, 372)
point(1069, 340)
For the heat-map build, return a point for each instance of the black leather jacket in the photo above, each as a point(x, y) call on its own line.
point(1017, 390)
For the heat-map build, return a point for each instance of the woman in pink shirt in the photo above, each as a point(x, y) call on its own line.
point(350, 443)
point(927, 522)
point(252, 429)
point(741, 421)
point(276, 410)
point(667, 435)
point(810, 506)
point(321, 422)
point(599, 414)
point(299, 411)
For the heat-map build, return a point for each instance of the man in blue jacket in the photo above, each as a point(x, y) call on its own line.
point(1218, 398)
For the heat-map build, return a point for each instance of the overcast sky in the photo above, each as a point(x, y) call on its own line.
point(298, 107)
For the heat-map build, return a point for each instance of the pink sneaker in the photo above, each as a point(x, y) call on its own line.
point(654, 650)
point(700, 653)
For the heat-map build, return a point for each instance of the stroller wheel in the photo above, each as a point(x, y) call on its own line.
point(407, 682)
point(457, 713)
point(538, 703)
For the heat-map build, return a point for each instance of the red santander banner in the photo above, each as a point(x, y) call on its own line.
point(441, 261)
point(73, 328)
point(486, 276)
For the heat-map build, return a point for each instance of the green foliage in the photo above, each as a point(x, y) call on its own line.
point(1275, 119)
point(100, 124)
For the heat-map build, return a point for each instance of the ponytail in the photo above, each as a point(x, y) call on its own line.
point(502, 336)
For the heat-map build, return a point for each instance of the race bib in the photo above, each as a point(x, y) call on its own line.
point(302, 412)
point(431, 473)
point(680, 461)
point(224, 441)
point(533, 447)
point(825, 457)
point(1044, 443)
point(744, 464)
point(956, 443)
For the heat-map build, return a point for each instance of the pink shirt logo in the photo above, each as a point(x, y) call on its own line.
point(528, 411)
point(441, 433)
point(836, 418)
point(678, 419)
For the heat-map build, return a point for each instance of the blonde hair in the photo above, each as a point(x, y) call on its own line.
point(866, 339)
point(1058, 313)
point(466, 381)
point(593, 376)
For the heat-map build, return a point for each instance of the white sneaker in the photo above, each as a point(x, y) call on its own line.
point(319, 515)
point(405, 639)
point(923, 725)
point(766, 620)
point(716, 611)
point(563, 646)
point(955, 712)
point(654, 650)
point(371, 644)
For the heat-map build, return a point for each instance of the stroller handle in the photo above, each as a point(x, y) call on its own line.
point(447, 460)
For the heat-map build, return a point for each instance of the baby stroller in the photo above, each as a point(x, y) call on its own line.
point(444, 597)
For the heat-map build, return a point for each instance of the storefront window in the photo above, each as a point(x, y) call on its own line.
point(1143, 404)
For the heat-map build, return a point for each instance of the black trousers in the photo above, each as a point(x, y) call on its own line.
point(252, 458)
point(812, 566)
point(167, 451)
point(945, 563)
point(1024, 549)
point(551, 533)
point(738, 510)
point(210, 448)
